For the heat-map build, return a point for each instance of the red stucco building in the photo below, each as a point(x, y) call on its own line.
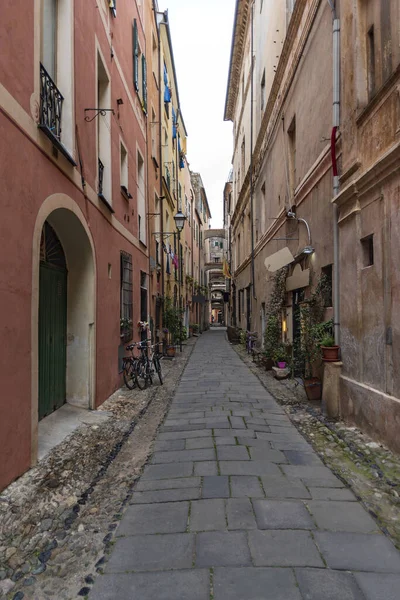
point(74, 236)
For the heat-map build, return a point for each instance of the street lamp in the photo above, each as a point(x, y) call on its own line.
point(180, 219)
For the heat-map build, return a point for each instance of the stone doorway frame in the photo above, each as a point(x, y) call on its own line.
point(50, 210)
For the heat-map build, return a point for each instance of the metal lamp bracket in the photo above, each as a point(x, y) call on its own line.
point(99, 111)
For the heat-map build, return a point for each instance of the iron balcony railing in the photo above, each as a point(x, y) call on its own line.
point(101, 173)
point(51, 101)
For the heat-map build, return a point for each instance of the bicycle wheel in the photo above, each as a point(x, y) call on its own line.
point(140, 374)
point(148, 372)
point(129, 374)
point(157, 366)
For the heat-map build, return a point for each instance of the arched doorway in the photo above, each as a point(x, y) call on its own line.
point(52, 323)
point(61, 215)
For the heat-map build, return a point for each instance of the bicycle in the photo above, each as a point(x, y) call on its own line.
point(251, 337)
point(129, 369)
point(156, 361)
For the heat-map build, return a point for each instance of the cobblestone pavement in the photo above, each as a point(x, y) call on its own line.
point(236, 505)
point(57, 520)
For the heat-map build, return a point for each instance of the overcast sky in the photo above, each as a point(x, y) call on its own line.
point(201, 32)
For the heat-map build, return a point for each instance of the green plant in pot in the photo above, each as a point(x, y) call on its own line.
point(330, 351)
point(280, 356)
point(307, 349)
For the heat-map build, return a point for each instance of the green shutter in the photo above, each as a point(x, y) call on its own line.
point(144, 75)
point(135, 56)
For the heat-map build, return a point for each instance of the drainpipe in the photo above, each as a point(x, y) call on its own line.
point(335, 126)
point(253, 279)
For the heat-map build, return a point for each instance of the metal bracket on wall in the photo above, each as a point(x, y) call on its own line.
point(99, 111)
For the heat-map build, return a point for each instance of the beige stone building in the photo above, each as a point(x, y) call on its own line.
point(369, 223)
point(287, 148)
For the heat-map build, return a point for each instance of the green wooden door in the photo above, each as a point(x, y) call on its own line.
point(52, 327)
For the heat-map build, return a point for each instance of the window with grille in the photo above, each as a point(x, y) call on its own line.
point(126, 309)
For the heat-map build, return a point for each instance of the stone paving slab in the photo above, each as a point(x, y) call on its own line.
point(255, 584)
point(157, 496)
point(246, 486)
point(284, 549)
point(341, 516)
point(282, 514)
point(240, 515)
point(317, 584)
point(215, 487)
point(236, 505)
point(167, 484)
point(208, 515)
point(150, 518)
point(166, 585)
point(376, 586)
point(358, 552)
point(152, 553)
point(222, 549)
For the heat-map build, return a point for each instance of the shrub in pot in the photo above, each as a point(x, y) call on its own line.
point(330, 351)
point(280, 356)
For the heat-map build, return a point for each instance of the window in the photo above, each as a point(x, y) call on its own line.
point(124, 167)
point(104, 135)
point(141, 198)
point(143, 296)
point(262, 100)
point(327, 272)
point(154, 136)
point(113, 7)
point(243, 156)
point(371, 62)
point(126, 298)
point(49, 37)
point(289, 9)
point(155, 57)
point(56, 118)
point(292, 154)
point(139, 68)
point(238, 251)
point(367, 245)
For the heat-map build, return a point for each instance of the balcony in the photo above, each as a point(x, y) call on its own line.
point(50, 116)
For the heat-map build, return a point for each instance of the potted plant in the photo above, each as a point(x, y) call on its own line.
point(307, 351)
point(171, 351)
point(126, 330)
point(280, 356)
point(330, 352)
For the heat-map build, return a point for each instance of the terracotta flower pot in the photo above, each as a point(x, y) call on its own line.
point(313, 388)
point(171, 351)
point(330, 353)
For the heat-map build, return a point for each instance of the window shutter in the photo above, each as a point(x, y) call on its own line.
point(135, 56)
point(144, 74)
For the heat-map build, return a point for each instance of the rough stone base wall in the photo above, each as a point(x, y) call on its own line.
point(372, 411)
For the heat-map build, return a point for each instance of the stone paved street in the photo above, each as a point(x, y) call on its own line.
point(236, 505)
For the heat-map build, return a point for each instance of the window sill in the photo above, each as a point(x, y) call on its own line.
point(106, 203)
point(375, 100)
point(125, 192)
point(56, 142)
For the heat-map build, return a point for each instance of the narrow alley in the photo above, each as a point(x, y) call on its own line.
point(235, 504)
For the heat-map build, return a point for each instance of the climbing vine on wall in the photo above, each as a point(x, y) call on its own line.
point(276, 303)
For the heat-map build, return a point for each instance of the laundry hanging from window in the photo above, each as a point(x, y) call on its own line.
point(167, 89)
